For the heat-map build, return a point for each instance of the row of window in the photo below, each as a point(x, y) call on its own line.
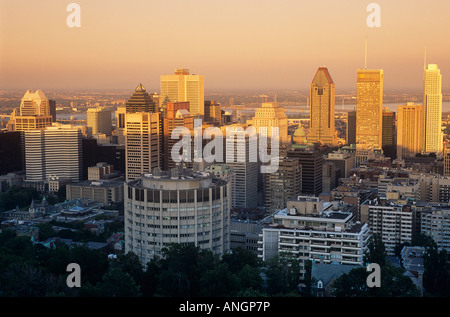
point(171, 196)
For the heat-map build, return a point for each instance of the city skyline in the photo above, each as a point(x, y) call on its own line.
point(250, 45)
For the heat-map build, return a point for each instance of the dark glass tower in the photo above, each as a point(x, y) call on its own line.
point(140, 101)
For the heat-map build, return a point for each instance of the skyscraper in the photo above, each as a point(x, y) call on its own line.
point(271, 115)
point(143, 134)
point(141, 101)
point(53, 152)
point(182, 86)
point(389, 139)
point(351, 127)
point(241, 158)
point(432, 110)
point(409, 130)
point(322, 92)
point(120, 124)
point(143, 143)
point(311, 162)
point(213, 112)
point(369, 107)
point(282, 185)
point(34, 112)
point(446, 170)
point(176, 115)
point(98, 120)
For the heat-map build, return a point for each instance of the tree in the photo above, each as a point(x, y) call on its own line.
point(219, 281)
point(435, 277)
point(376, 252)
point(25, 280)
point(131, 264)
point(149, 280)
point(180, 269)
point(393, 284)
point(93, 263)
point(250, 278)
point(45, 231)
point(352, 284)
point(117, 283)
point(239, 257)
point(283, 274)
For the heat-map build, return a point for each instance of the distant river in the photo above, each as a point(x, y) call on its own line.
point(338, 107)
point(76, 116)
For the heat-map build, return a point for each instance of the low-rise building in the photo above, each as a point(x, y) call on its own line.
point(106, 192)
point(315, 230)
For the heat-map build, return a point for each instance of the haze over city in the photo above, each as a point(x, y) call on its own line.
point(236, 45)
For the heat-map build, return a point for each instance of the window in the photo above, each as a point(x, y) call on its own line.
point(319, 284)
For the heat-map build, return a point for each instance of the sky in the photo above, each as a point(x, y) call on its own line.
point(235, 44)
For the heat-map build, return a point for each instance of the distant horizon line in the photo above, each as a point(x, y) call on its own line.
point(241, 90)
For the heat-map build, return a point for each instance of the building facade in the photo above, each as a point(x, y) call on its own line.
point(409, 130)
point(369, 107)
point(176, 207)
point(322, 97)
point(98, 120)
point(55, 152)
point(432, 110)
point(314, 230)
point(268, 116)
point(143, 143)
point(183, 86)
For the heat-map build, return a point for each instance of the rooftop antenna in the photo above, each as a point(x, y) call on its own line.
point(425, 58)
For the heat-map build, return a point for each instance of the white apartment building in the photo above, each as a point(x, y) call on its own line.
point(393, 220)
point(315, 230)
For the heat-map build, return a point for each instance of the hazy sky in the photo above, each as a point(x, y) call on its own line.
point(235, 44)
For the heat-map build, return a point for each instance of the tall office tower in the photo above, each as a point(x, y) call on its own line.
point(34, 112)
point(176, 207)
point(322, 100)
point(369, 107)
point(389, 134)
point(409, 130)
point(213, 112)
point(351, 127)
point(329, 177)
point(143, 143)
point(157, 100)
point(120, 124)
point(52, 106)
point(282, 185)
point(240, 151)
point(271, 115)
point(99, 121)
point(141, 101)
point(182, 86)
point(432, 110)
point(53, 152)
point(311, 162)
point(176, 115)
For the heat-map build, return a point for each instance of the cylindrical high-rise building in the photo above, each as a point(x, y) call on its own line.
point(179, 206)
